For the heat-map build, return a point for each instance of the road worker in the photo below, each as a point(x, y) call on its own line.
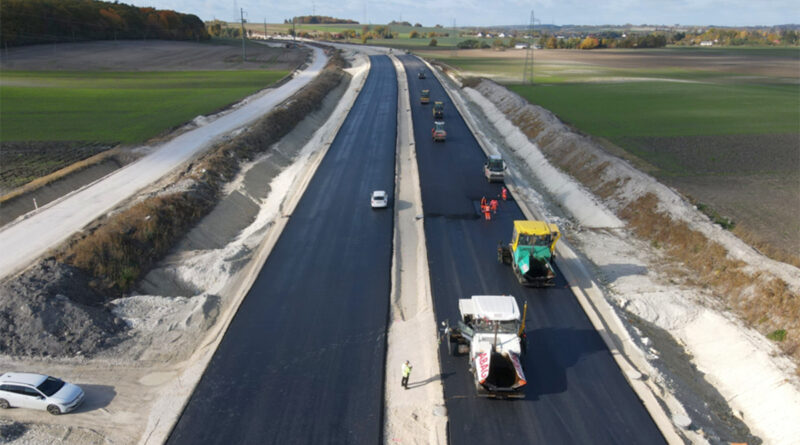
point(504, 194)
point(493, 205)
point(406, 374)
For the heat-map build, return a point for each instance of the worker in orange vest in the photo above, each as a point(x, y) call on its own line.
point(505, 194)
point(493, 204)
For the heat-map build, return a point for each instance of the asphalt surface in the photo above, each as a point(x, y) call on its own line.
point(302, 361)
point(576, 392)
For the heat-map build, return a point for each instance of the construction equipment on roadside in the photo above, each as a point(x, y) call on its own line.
point(531, 252)
point(493, 334)
point(438, 110)
point(438, 133)
point(425, 97)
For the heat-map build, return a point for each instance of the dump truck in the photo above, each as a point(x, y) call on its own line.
point(425, 97)
point(494, 169)
point(531, 252)
point(493, 334)
point(438, 133)
point(438, 110)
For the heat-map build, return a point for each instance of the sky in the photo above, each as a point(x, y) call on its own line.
point(509, 12)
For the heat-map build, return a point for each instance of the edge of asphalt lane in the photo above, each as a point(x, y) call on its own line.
point(177, 394)
point(602, 316)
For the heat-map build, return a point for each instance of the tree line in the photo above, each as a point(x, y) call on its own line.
point(25, 22)
point(318, 19)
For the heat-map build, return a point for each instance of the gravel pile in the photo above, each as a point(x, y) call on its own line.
point(51, 311)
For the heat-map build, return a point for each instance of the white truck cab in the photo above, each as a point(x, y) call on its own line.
point(492, 328)
point(494, 169)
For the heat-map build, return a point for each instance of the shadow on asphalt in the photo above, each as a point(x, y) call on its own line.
point(548, 374)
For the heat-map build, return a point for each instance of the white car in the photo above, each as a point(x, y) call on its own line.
point(37, 391)
point(379, 200)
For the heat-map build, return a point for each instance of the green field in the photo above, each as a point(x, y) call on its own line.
point(111, 107)
point(649, 119)
point(658, 109)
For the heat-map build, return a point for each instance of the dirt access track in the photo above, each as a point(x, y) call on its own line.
point(149, 55)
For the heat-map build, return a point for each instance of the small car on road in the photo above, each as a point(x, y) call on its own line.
point(421, 75)
point(438, 133)
point(38, 391)
point(379, 199)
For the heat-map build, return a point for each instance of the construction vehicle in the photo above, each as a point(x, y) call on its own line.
point(531, 252)
point(493, 334)
point(425, 97)
point(438, 110)
point(494, 169)
point(438, 133)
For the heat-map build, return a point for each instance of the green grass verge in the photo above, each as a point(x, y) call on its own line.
point(110, 107)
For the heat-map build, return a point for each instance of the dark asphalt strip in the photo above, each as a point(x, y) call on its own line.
point(303, 359)
point(576, 392)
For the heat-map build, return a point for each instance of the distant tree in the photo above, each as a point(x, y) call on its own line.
point(589, 43)
point(433, 42)
point(413, 35)
point(417, 25)
point(321, 19)
point(24, 22)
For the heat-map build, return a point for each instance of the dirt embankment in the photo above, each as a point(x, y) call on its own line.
point(763, 292)
point(60, 307)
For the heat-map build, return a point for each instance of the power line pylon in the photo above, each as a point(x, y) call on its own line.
point(527, 72)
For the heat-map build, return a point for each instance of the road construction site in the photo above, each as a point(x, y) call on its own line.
point(292, 327)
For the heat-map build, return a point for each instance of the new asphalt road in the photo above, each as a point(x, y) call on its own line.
point(575, 392)
point(302, 361)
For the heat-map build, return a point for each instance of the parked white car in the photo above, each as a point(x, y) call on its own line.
point(37, 391)
point(379, 200)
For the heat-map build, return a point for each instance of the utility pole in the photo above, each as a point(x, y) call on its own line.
point(454, 53)
point(527, 73)
point(244, 51)
point(265, 28)
point(294, 31)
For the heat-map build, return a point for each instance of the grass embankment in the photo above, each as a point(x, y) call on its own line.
point(125, 246)
point(116, 107)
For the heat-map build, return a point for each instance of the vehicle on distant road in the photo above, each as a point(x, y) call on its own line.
point(531, 252)
point(438, 110)
point(493, 334)
point(494, 169)
point(421, 75)
point(38, 391)
point(425, 97)
point(379, 199)
point(438, 133)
